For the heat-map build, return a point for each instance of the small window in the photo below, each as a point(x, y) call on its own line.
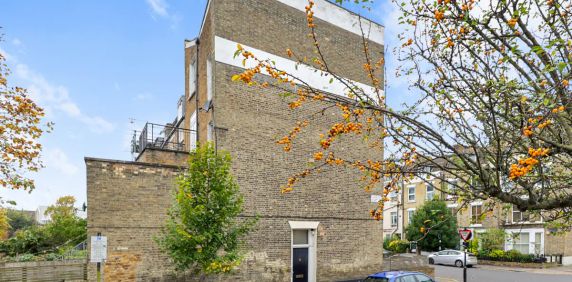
point(209, 80)
point(393, 196)
point(393, 218)
point(476, 211)
point(300, 236)
point(430, 192)
point(410, 214)
point(518, 216)
point(210, 132)
point(451, 189)
point(192, 79)
point(193, 127)
point(411, 193)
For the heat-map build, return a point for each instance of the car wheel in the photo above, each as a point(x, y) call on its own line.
point(431, 261)
point(459, 263)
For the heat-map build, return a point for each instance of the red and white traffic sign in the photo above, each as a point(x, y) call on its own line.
point(466, 234)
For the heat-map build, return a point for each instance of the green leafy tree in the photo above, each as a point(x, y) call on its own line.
point(4, 224)
point(65, 230)
point(18, 220)
point(65, 227)
point(431, 222)
point(492, 239)
point(203, 233)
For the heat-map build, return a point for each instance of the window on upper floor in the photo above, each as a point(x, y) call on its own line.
point(393, 218)
point(209, 80)
point(430, 192)
point(193, 127)
point(192, 79)
point(451, 189)
point(519, 216)
point(393, 196)
point(476, 212)
point(411, 193)
point(410, 214)
point(210, 131)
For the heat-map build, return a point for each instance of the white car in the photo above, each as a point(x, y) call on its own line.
point(452, 257)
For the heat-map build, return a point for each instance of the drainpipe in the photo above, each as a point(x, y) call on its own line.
point(197, 41)
point(402, 209)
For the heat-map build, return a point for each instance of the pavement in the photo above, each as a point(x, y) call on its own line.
point(503, 274)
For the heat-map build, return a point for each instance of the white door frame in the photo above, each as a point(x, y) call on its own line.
point(312, 227)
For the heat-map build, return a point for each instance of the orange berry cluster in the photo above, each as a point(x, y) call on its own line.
point(286, 141)
point(558, 110)
point(525, 166)
point(310, 14)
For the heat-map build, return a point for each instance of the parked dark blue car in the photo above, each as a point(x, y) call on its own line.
point(398, 276)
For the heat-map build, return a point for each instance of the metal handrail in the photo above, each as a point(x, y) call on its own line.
point(166, 137)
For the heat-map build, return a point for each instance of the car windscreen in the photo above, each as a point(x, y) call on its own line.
point(376, 279)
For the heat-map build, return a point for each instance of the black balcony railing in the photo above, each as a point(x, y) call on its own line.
point(167, 137)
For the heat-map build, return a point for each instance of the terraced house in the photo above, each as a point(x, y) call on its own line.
point(525, 232)
point(320, 232)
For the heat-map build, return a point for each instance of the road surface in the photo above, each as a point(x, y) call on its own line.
point(488, 274)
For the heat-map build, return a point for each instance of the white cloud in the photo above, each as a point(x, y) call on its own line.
point(16, 42)
point(159, 7)
point(56, 99)
point(144, 97)
point(97, 124)
point(57, 159)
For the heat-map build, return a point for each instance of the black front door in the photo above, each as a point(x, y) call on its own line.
point(300, 264)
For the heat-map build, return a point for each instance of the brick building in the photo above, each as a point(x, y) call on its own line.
point(320, 232)
point(525, 232)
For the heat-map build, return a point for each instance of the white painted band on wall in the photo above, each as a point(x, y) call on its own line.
point(224, 53)
point(341, 18)
point(303, 224)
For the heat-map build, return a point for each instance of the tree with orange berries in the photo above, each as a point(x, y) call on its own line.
point(492, 103)
point(21, 127)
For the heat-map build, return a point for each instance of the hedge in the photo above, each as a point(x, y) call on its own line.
point(510, 256)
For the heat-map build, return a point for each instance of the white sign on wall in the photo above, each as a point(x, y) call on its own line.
point(98, 249)
point(375, 198)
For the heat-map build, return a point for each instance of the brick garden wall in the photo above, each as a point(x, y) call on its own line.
point(128, 202)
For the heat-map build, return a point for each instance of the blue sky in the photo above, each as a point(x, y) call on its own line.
point(95, 65)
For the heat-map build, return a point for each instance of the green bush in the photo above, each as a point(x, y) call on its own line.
point(492, 239)
point(65, 230)
point(388, 240)
point(473, 246)
point(500, 255)
point(398, 246)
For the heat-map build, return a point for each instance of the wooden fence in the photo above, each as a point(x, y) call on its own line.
point(40, 271)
